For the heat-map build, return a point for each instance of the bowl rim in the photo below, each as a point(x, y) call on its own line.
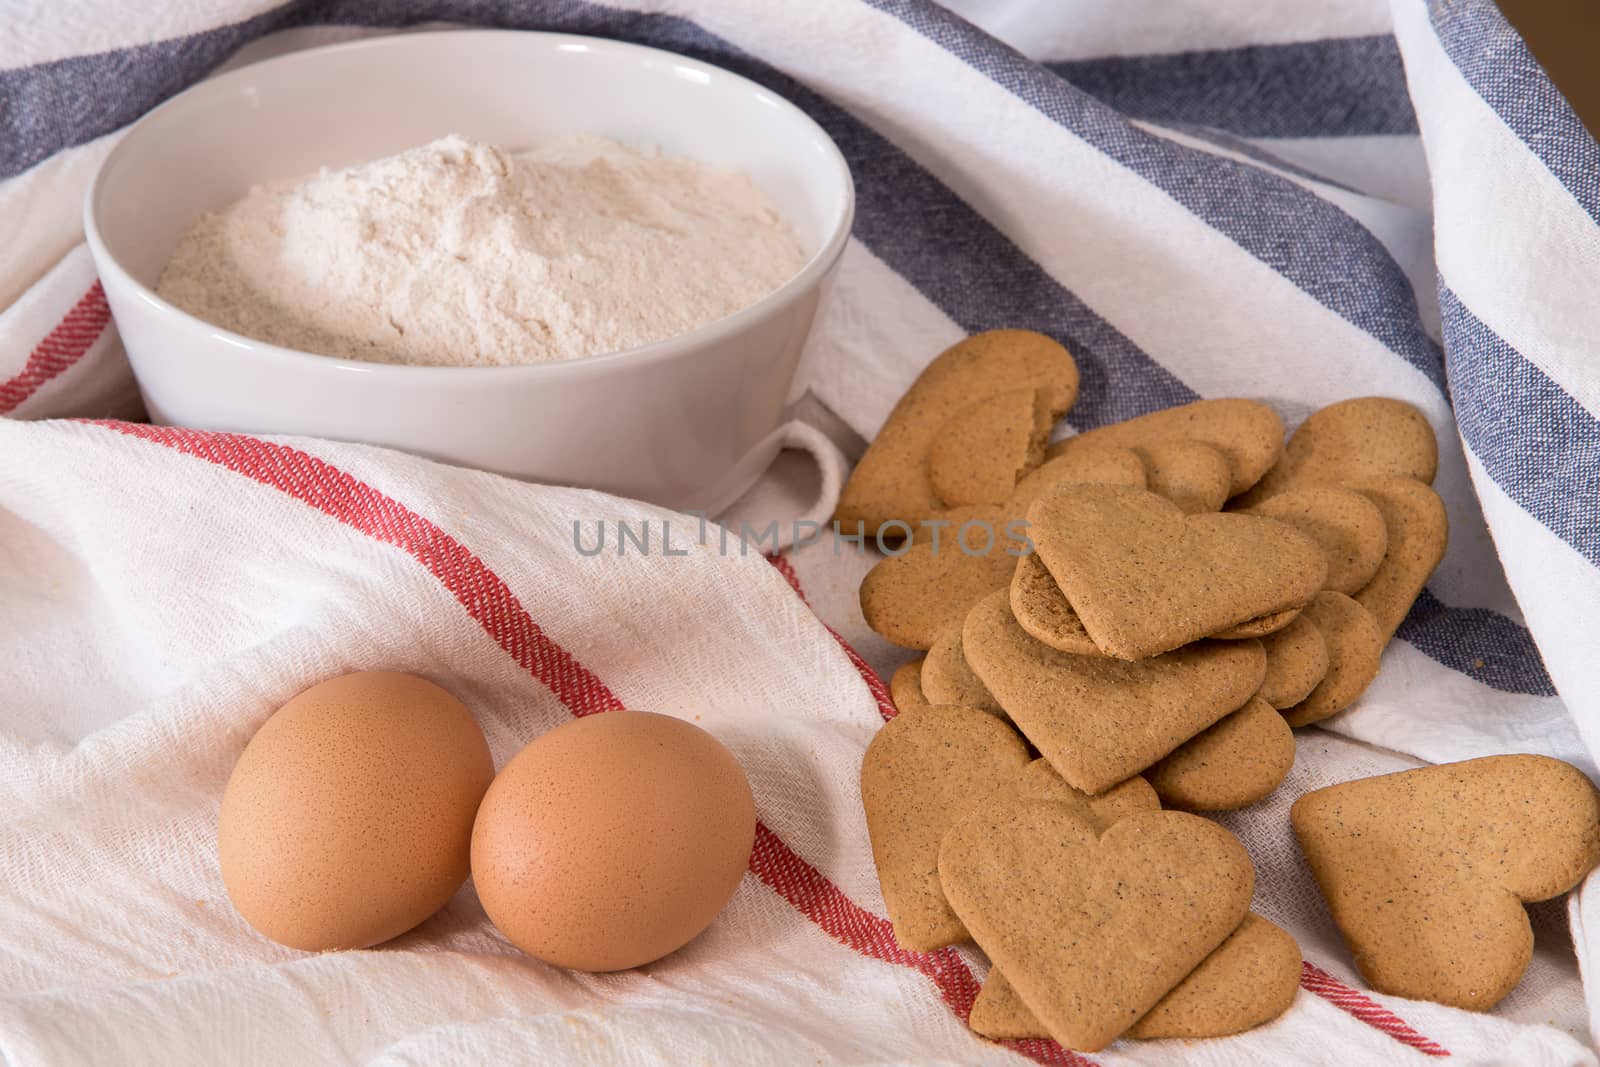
point(808, 277)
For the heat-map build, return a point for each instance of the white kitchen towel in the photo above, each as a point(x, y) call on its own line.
point(1290, 201)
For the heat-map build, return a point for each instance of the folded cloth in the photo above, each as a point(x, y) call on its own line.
point(1296, 203)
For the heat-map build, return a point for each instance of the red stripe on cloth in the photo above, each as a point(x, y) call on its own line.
point(485, 596)
point(61, 348)
point(803, 886)
point(490, 601)
point(879, 691)
point(1314, 979)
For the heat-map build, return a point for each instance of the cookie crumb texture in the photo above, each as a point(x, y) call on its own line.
point(463, 254)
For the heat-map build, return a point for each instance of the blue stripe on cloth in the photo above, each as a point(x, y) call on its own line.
point(66, 102)
point(1539, 445)
point(1250, 150)
point(1496, 62)
point(910, 220)
point(1324, 252)
point(1335, 87)
point(1482, 644)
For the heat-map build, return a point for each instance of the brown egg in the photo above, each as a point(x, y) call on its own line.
point(613, 840)
point(348, 819)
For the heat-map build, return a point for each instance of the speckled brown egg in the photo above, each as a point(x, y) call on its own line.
point(348, 819)
point(613, 840)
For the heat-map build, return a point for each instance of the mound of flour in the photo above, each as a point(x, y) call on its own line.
point(458, 253)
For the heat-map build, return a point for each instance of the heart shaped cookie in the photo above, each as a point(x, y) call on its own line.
point(1348, 527)
point(905, 686)
point(946, 678)
point(1354, 648)
point(1232, 764)
point(977, 456)
point(1093, 930)
point(910, 598)
point(924, 770)
point(1099, 720)
point(1426, 871)
point(891, 482)
point(1146, 578)
point(1041, 608)
point(1191, 474)
point(1419, 531)
point(1297, 659)
point(1250, 979)
point(998, 1011)
point(1039, 781)
point(1368, 437)
point(1247, 432)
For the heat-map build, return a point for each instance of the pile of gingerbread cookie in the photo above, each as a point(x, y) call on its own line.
point(1121, 629)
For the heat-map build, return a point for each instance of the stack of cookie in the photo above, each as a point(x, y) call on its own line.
point(1103, 914)
point(1095, 594)
point(1121, 624)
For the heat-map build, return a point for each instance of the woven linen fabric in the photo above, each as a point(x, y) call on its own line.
point(1278, 199)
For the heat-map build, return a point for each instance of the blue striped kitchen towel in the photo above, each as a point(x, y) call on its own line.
point(1293, 201)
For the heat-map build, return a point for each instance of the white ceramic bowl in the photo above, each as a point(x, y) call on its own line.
point(688, 422)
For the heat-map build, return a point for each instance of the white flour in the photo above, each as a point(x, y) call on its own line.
point(459, 254)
